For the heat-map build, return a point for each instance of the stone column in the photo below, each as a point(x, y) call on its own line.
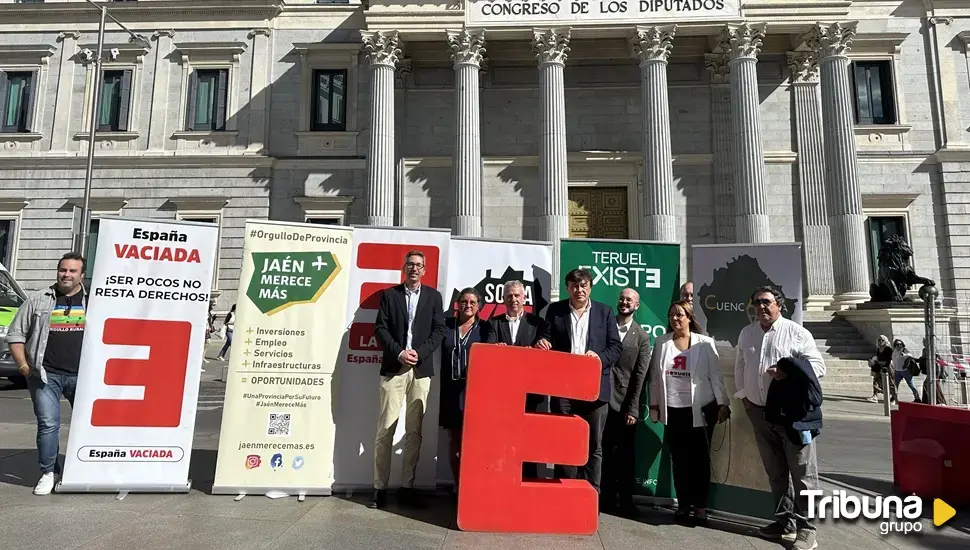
point(551, 46)
point(743, 43)
point(61, 133)
point(816, 238)
point(157, 131)
point(651, 47)
point(467, 48)
point(259, 91)
point(842, 192)
point(722, 146)
point(383, 51)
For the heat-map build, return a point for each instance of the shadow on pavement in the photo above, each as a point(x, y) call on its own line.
point(19, 467)
point(440, 511)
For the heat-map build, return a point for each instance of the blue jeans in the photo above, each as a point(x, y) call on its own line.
point(225, 348)
point(47, 409)
point(900, 375)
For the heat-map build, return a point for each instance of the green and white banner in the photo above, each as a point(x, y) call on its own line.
point(653, 270)
point(278, 425)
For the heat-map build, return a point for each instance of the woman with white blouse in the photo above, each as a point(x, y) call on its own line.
point(687, 395)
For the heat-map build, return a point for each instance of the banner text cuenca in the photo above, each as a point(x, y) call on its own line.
point(505, 13)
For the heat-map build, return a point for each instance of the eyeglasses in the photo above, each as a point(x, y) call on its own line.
point(412, 265)
point(762, 302)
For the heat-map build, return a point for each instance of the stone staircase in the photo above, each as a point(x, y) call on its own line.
point(845, 351)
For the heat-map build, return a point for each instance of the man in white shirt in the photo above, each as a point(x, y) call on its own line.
point(518, 327)
point(582, 326)
point(791, 467)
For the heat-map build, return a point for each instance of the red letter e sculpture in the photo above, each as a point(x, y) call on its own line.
point(499, 436)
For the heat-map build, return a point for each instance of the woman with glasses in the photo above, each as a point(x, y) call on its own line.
point(462, 330)
point(687, 395)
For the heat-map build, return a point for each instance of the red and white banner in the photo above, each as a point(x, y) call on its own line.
point(378, 263)
point(487, 265)
point(138, 384)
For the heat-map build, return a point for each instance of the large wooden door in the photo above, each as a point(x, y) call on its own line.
point(598, 213)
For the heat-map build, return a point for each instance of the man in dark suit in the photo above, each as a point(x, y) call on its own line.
point(628, 375)
point(410, 326)
point(517, 327)
point(581, 326)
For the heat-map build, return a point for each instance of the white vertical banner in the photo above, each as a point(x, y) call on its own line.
point(486, 265)
point(377, 264)
point(724, 277)
point(141, 359)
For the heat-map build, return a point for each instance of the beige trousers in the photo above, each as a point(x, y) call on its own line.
point(394, 391)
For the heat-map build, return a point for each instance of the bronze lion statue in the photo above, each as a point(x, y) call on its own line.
point(895, 275)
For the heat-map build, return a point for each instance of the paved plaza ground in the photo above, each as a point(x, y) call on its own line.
point(854, 454)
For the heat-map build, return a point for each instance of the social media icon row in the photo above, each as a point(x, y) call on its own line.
point(255, 461)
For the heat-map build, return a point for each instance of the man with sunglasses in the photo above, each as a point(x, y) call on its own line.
point(45, 340)
point(791, 466)
point(410, 326)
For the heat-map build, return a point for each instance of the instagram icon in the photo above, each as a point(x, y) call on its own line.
point(252, 461)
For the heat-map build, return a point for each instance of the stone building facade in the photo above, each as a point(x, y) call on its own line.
point(832, 123)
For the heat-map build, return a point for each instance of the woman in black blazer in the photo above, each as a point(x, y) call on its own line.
point(462, 330)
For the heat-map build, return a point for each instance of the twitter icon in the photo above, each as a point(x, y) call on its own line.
point(276, 461)
point(298, 463)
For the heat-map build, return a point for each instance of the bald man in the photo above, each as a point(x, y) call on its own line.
point(687, 292)
point(628, 374)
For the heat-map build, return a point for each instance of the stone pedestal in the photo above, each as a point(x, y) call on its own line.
point(903, 320)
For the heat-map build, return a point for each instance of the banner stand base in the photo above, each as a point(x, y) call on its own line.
point(272, 492)
point(122, 491)
point(713, 513)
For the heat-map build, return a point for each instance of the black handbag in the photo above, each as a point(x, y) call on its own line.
point(710, 413)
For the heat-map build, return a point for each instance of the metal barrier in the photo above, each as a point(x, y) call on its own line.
point(947, 321)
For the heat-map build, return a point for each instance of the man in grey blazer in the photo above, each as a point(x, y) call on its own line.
point(628, 375)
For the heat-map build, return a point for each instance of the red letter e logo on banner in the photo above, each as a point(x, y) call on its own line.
point(499, 436)
point(162, 374)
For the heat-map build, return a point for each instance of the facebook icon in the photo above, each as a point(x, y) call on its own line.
point(276, 461)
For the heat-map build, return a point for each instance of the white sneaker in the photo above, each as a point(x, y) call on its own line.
point(45, 485)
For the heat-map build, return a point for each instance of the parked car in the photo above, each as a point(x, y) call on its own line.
point(11, 298)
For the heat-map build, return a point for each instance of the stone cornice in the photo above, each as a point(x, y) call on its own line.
point(169, 10)
point(52, 161)
point(33, 53)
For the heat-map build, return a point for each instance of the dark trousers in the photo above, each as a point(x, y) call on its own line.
point(690, 454)
point(594, 413)
point(619, 443)
point(530, 470)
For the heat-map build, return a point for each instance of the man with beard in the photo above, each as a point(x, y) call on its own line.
point(517, 327)
point(627, 376)
point(45, 340)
